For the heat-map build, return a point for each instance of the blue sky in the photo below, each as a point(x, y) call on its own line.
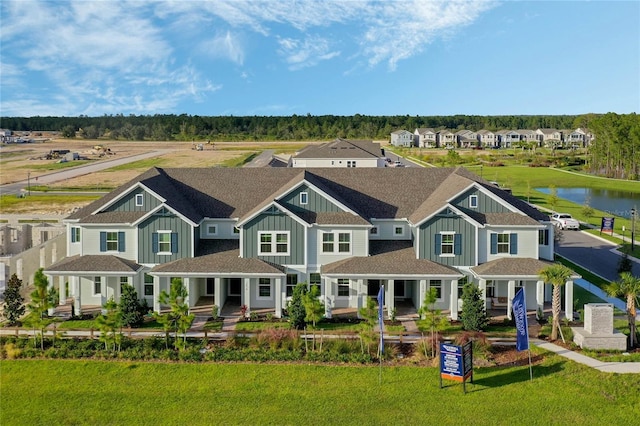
point(318, 57)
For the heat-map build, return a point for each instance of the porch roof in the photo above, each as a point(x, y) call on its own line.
point(94, 264)
point(389, 258)
point(507, 267)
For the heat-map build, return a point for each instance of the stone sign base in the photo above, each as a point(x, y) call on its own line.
point(608, 341)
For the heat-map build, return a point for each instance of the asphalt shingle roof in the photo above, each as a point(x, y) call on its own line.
point(512, 266)
point(342, 148)
point(94, 263)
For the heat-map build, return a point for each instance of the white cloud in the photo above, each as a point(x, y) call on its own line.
point(305, 53)
point(224, 46)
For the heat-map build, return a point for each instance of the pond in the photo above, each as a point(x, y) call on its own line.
point(616, 203)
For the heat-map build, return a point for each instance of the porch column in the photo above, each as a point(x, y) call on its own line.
point(482, 285)
point(62, 289)
point(187, 285)
point(568, 300)
point(389, 294)
point(51, 310)
point(217, 294)
point(278, 296)
point(361, 294)
point(246, 294)
point(453, 303)
point(540, 296)
point(511, 293)
point(328, 298)
point(103, 293)
point(156, 294)
point(77, 294)
point(422, 293)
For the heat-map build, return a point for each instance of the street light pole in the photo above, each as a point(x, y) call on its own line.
point(633, 228)
point(29, 183)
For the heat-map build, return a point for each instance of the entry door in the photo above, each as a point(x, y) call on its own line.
point(373, 287)
point(235, 286)
point(210, 287)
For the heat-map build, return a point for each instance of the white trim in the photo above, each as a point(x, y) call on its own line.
point(211, 234)
point(79, 239)
point(171, 209)
point(271, 290)
point(453, 244)
point(335, 243)
point(139, 200)
point(304, 195)
point(274, 243)
point(456, 210)
point(278, 206)
point(473, 201)
point(164, 232)
point(338, 285)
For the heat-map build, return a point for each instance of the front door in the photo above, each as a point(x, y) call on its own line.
point(210, 287)
point(373, 287)
point(398, 289)
point(235, 286)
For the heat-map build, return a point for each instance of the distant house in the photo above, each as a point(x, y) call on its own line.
point(549, 137)
point(402, 138)
point(506, 138)
point(487, 139)
point(466, 139)
point(528, 135)
point(426, 137)
point(447, 139)
point(576, 138)
point(340, 153)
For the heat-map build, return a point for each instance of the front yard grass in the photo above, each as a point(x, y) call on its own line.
point(102, 392)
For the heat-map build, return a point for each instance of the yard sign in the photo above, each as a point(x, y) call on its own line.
point(456, 363)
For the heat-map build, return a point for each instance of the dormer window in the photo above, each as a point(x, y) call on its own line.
point(473, 201)
point(212, 229)
point(139, 200)
point(304, 198)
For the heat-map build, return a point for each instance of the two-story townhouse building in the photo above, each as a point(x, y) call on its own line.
point(487, 139)
point(466, 139)
point(426, 137)
point(402, 138)
point(340, 153)
point(549, 137)
point(447, 139)
point(507, 138)
point(528, 135)
point(247, 236)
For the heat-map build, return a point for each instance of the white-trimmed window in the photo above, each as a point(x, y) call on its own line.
point(304, 198)
point(473, 201)
point(343, 287)
point(75, 234)
point(446, 243)
point(164, 242)
point(437, 284)
point(491, 289)
point(292, 281)
point(273, 243)
point(264, 288)
point(112, 241)
point(314, 279)
point(374, 230)
point(336, 242)
point(212, 229)
point(123, 281)
point(139, 200)
point(148, 285)
point(503, 243)
point(97, 286)
point(398, 231)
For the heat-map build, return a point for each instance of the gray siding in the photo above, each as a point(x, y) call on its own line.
point(448, 223)
point(316, 202)
point(163, 220)
point(486, 204)
point(275, 221)
point(128, 202)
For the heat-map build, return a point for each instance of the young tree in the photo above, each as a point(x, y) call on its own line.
point(628, 287)
point(130, 307)
point(178, 318)
point(553, 197)
point(625, 264)
point(433, 317)
point(369, 313)
point(13, 307)
point(474, 314)
point(295, 306)
point(42, 298)
point(587, 211)
point(313, 307)
point(556, 275)
point(109, 325)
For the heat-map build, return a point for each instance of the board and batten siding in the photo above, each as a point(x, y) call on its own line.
point(442, 223)
point(166, 222)
point(128, 202)
point(315, 203)
point(486, 204)
point(277, 221)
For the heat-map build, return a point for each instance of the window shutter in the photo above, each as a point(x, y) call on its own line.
point(154, 242)
point(513, 244)
point(457, 244)
point(121, 246)
point(438, 243)
point(73, 235)
point(546, 237)
point(494, 243)
point(174, 242)
point(103, 241)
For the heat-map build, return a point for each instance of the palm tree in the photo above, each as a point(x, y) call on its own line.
point(556, 275)
point(627, 286)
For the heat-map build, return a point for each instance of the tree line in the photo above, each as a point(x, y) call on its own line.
point(615, 152)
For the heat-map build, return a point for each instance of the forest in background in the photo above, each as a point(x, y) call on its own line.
point(615, 151)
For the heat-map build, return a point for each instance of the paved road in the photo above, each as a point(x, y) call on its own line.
point(17, 187)
point(261, 160)
point(592, 253)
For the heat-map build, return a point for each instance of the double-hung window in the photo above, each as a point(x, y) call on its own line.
point(314, 280)
point(336, 242)
point(273, 243)
point(148, 285)
point(264, 288)
point(343, 287)
point(292, 281)
point(97, 286)
point(75, 234)
point(437, 285)
point(164, 242)
point(123, 282)
point(503, 243)
point(446, 244)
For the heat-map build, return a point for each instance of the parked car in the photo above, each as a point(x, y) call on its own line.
point(398, 164)
point(565, 221)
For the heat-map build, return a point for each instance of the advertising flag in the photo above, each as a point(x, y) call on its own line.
point(380, 316)
point(520, 316)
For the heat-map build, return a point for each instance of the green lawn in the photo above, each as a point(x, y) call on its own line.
point(56, 165)
point(110, 393)
point(12, 203)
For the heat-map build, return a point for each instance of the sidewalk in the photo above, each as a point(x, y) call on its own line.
point(606, 367)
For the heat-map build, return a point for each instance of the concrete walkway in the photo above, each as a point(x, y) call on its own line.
point(607, 367)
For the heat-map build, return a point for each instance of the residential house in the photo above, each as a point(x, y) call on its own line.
point(340, 153)
point(487, 139)
point(577, 138)
point(549, 137)
point(466, 139)
point(248, 235)
point(528, 135)
point(426, 137)
point(447, 139)
point(402, 138)
point(507, 138)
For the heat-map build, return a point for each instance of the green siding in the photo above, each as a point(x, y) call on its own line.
point(275, 221)
point(486, 204)
point(128, 202)
point(163, 220)
point(316, 202)
point(448, 223)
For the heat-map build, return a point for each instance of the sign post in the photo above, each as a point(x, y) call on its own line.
point(456, 363)
point(607, 225)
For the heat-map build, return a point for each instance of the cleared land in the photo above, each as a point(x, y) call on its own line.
point(94, 392)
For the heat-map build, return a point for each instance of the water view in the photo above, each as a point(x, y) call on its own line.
point(617, 203)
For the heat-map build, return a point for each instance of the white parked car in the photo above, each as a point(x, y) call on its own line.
point(565, 221)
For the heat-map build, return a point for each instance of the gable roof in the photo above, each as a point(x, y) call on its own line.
point(94, 264)
point(371, 193)
point(342, 148)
